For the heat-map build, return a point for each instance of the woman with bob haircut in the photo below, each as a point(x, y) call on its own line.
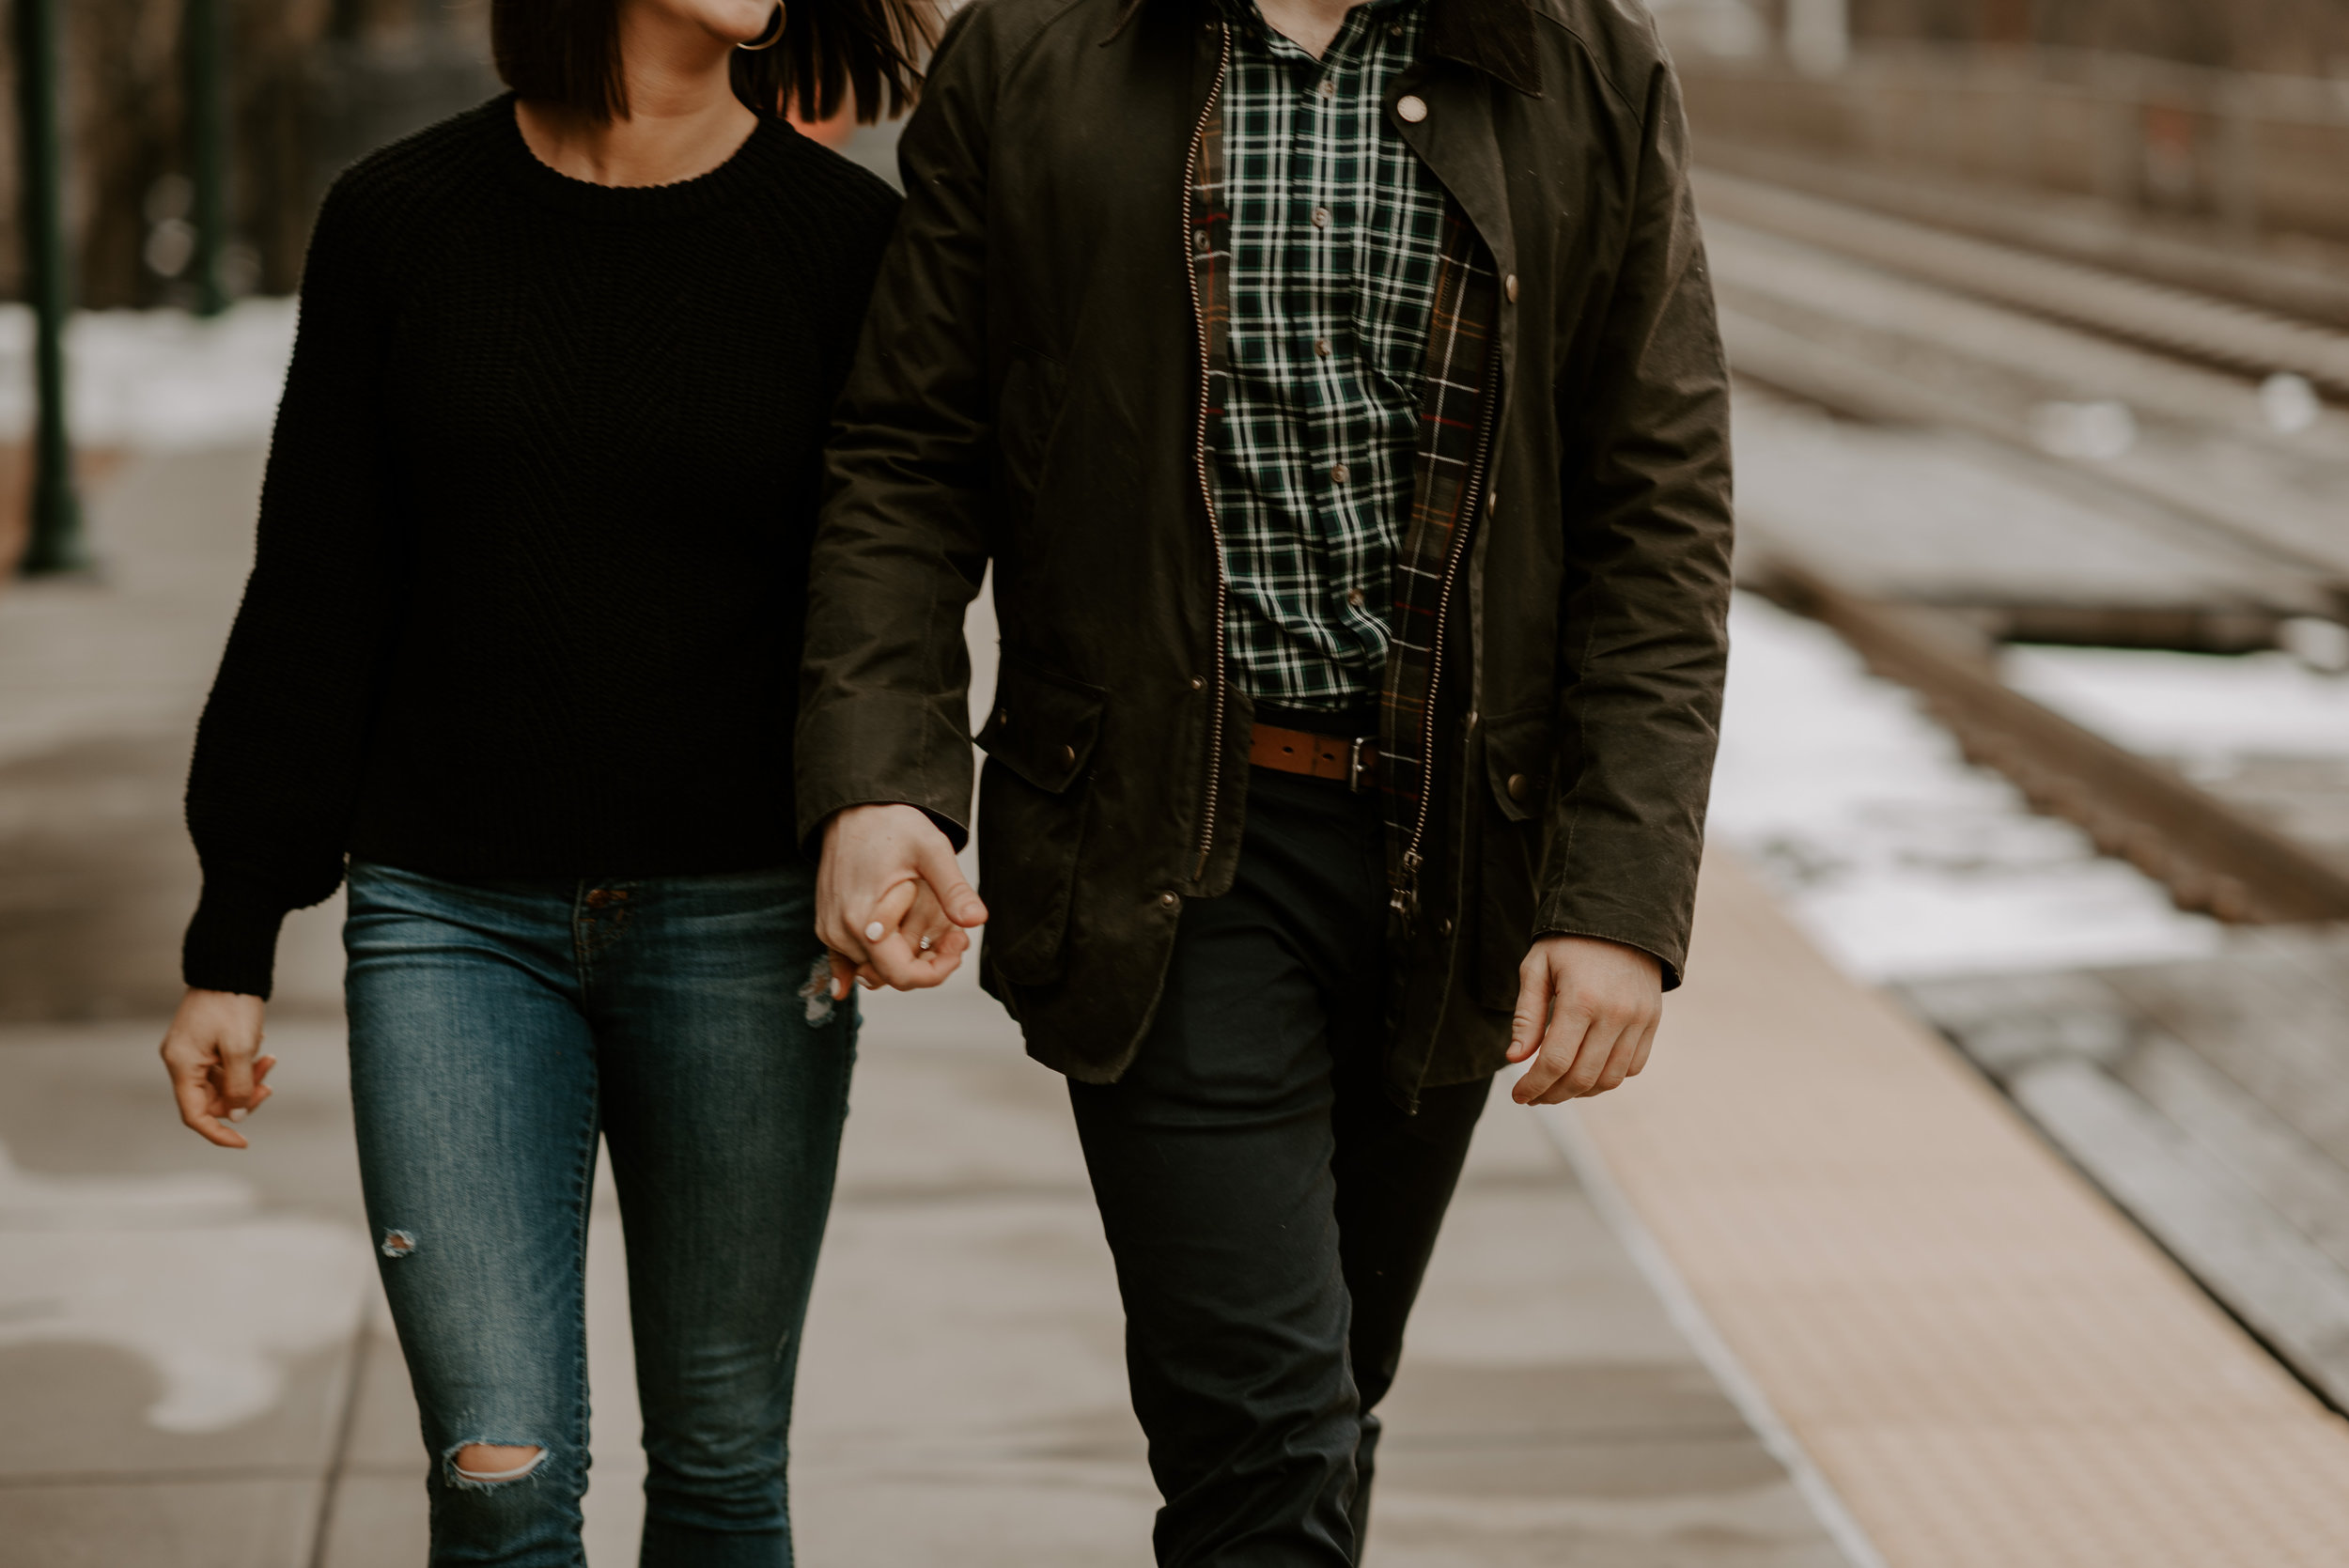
point(520, 651)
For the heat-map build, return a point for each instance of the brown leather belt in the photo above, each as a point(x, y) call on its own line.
point(1352, 763)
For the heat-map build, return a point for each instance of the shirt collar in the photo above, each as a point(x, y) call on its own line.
point(1495, 37)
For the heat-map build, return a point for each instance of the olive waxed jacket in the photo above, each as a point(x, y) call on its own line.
point(1030, 392)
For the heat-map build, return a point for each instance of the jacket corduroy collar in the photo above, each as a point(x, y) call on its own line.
point(1495, 37)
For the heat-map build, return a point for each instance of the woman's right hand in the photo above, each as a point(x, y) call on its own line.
point(212, 1052)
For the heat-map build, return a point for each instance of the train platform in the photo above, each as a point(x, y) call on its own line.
point(1809, 1295)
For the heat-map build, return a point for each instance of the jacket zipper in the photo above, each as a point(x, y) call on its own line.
point(1406, 898)
point(1199, 455)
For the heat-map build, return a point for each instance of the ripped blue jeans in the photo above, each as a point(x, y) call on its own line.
point(495, 1030)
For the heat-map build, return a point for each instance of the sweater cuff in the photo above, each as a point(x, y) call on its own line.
point(231, 944)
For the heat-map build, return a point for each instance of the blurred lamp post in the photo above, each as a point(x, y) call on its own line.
point(207, 149)
point(56, 544)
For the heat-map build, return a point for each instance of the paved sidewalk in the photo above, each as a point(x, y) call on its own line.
point(192, 1355)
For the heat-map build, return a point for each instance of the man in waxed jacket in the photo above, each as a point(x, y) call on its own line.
point(1336, 392)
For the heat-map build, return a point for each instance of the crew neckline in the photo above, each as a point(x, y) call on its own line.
point(584, 198)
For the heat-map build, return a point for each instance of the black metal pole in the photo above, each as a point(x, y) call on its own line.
point(57, 544)
point(207, 149)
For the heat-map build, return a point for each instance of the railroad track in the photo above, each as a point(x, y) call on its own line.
point(2213, 858)
point(2191, 326)
point(1898, 323)
point(2207, 411)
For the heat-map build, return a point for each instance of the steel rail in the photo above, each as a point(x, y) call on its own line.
point(2211, 856)
point(2193, 326)
point(1824, 374)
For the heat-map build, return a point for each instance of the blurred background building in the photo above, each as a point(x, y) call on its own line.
point(2230, 120)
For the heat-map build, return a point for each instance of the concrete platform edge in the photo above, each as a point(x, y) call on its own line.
point(1562, 1126)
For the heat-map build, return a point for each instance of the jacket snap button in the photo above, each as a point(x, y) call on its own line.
point(1509, 286)
point(1167, 901)
point(1197, 681)
point(1520, 786)
point(1003, 717)
point(1068, 753)
point(1411, 107)
point(1445, 925)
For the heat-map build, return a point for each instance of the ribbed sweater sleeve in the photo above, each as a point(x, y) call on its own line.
point(275, 776)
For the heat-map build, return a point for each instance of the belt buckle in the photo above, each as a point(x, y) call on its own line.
point(1355, 771)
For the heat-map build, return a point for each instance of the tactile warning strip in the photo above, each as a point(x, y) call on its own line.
point(1992, 1367)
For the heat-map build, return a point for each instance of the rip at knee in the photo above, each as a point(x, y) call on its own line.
point(480, 1466)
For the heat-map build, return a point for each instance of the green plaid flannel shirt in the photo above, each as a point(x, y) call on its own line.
point(1336, 235)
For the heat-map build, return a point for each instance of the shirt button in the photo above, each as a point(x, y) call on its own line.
point(1321, 217)
point(1509, 286)
point(1354, 598)
point(1199, 240)
point(1337, 474)
point(1411, 108)
point(1321, 347)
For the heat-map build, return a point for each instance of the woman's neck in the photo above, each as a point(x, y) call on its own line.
point(683, 120)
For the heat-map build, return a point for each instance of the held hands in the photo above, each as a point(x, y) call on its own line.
point(891, 902)
point(211, 1053)
point(1590, 1007)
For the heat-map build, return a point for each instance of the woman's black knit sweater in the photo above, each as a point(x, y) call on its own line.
point(528, 596)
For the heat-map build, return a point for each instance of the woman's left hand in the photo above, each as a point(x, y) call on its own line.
point(212, 1052)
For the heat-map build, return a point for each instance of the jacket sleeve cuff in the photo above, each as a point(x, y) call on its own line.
point(231, 944)
point(882, 751)
point(1563, 915)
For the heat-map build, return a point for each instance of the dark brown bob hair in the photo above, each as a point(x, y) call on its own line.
point(832, 52)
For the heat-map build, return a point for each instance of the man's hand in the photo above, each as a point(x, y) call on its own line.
point(1590, 1007)
point(891, 902)
point(211, 1051)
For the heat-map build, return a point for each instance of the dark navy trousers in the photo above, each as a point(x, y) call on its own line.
point(1271, 1209)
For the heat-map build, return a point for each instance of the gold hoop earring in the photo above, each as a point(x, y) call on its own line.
point(768, 39)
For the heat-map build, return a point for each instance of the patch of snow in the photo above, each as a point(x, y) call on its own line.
point(1901, 860)
point(156, 380)
point(2189, 705)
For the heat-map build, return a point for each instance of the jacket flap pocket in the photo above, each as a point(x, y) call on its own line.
point(1044, 725)
point(1520, 752)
